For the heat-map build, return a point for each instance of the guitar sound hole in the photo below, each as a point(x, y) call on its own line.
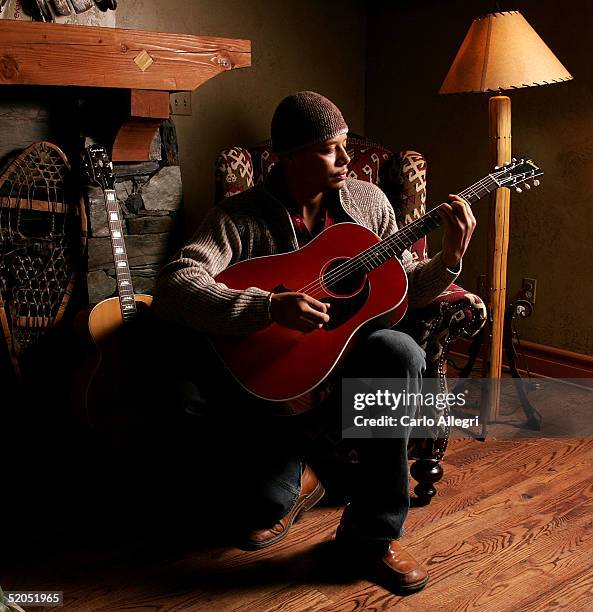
point(344, 282)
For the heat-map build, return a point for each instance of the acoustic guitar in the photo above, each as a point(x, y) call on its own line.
point(351, 268)
point(103, 392)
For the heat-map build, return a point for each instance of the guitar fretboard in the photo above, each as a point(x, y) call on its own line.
point(125, 288)
point(394, 246)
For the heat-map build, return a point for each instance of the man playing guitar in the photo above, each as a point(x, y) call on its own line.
point(307, 191)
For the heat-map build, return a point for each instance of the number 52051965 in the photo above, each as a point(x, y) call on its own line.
point(36, 598)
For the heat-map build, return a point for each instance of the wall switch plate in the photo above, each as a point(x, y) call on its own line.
point(180, 103)
point(529, 289)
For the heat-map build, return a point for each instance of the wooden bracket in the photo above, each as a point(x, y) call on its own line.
point(148, 109)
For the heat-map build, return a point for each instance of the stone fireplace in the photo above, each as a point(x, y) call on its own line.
point(72, 86)
point(149, 193)
point(150, 196)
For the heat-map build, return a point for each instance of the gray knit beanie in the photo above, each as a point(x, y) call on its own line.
point(305, 118)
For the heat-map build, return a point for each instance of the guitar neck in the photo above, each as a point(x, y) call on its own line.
point(394, 245)
point(125, 288)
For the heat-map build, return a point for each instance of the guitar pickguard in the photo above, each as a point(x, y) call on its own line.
point(343, 309)
point(346, 295)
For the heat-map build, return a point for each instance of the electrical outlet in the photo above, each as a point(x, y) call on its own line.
point(529, 289)
point(180, 103)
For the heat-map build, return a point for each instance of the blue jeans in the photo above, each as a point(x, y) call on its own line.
point(260, 456)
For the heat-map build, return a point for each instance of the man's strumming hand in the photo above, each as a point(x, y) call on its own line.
point(459, 223)
point(298, 311)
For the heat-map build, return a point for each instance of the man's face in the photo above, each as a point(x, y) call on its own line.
point(322, 166)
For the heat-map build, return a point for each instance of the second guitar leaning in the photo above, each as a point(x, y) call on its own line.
point(103, 391)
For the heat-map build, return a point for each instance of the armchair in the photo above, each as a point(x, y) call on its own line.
point(455, 313)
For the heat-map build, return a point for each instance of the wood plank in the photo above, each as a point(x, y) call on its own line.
point(560, 572)
point(361, 593)
point(453, 597)
point(575, 594)
point(473, 482)
point(57, 54)
point(150, 104)
point(487, 555)
point(517, 534)
point(288, 600)
point(518, 540)
point(521, 492)
point(287, 554)
point(451, 556)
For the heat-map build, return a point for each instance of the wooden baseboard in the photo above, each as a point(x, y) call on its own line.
point(542, 360)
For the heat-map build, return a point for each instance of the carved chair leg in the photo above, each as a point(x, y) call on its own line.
point(425, 472)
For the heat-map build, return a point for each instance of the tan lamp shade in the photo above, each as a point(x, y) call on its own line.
point(502, 51)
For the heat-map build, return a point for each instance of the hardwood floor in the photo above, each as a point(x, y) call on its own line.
point(510, 529)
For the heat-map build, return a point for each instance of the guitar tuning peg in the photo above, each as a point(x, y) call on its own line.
point(497, 167)
point(536, 183)
point(514, 159)
point(518, 190)
point(527, 186)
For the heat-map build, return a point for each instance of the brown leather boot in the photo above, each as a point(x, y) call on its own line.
point(311, 492)
point(388, 564)
point(396, 570)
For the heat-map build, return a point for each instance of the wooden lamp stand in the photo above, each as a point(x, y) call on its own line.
point(500, 52)
point(498, 246)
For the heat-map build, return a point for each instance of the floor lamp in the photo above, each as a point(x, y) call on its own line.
point(501, 51)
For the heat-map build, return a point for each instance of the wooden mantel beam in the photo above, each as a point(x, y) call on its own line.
point(149, 64)
point(34, 53)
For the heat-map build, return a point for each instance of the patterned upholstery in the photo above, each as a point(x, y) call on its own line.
point(402, 177)
point(234, 172)
point(454, 313)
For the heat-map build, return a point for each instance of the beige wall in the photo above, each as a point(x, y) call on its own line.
point(296, 45)
point(383, 65)
point(409, 52)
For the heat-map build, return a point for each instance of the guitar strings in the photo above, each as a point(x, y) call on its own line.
point(405, 234)
point(371, 258)
point(385, 245)
point(349, 266)
point(378, 250)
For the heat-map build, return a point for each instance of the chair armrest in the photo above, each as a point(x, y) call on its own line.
point(463, 313)
point(454, 313)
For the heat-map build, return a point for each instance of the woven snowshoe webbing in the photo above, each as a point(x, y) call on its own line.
point(42, 237)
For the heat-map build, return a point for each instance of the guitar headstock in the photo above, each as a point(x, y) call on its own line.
point(517, 172)
point(97, 167)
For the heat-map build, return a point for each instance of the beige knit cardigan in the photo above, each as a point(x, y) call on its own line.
point(252, 224)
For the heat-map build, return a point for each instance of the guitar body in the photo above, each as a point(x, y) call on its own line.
point(281, 364)
point(346, 266)
point(103, 393)
point(105, 319)
point(122, 366)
